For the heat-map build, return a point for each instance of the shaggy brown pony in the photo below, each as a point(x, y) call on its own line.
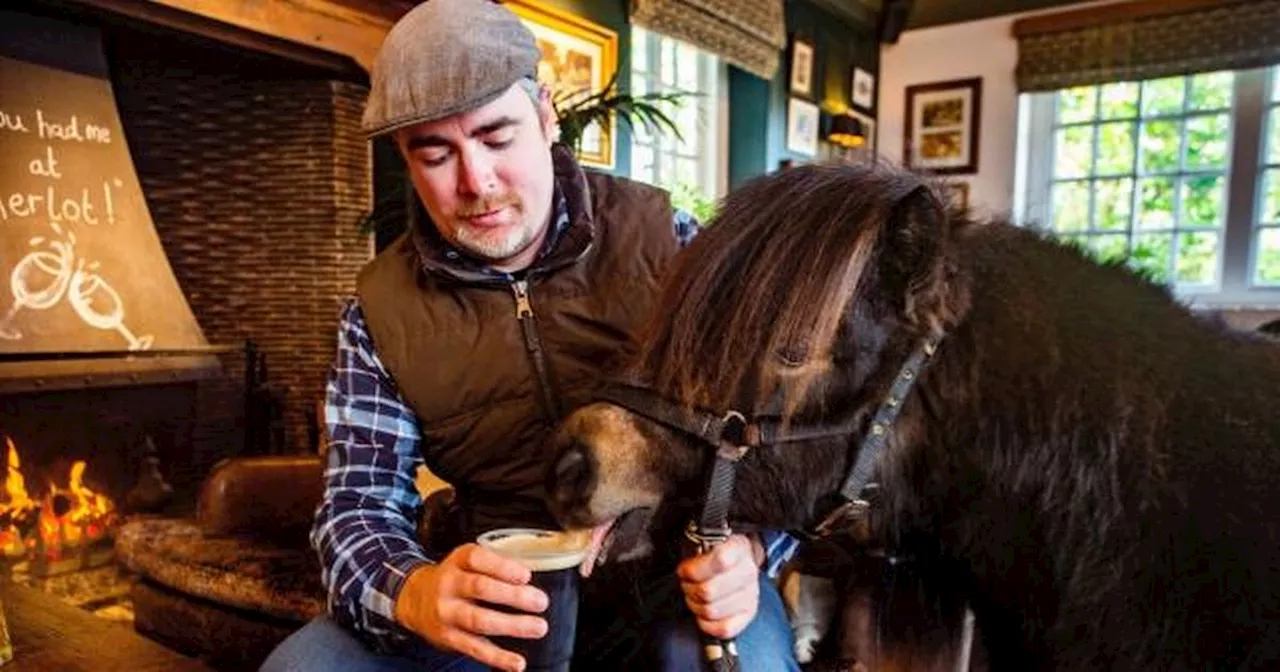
point(1088, 466)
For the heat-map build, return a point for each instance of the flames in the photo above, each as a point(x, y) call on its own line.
point(49, 526)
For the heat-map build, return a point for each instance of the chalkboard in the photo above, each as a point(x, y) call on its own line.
point(81, 267)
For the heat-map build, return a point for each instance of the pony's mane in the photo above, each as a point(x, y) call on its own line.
point(767, 282)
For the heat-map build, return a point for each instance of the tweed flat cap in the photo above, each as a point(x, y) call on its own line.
point(444, 57)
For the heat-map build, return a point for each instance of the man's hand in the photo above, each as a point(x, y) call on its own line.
point(439, 602)
point(722, 588)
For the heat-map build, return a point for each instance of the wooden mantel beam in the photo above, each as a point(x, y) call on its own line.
point(351, 28)
point(333, 25)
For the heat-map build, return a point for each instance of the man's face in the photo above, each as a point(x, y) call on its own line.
point(485, 176)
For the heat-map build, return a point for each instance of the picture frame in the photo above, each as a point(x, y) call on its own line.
point(801, 68)
point(957, 193)
point(943, 120)
point(802, 127)
point(579, 58)
point(862, 89)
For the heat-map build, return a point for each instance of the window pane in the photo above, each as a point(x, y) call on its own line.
point(687, 173)
point(1268, 255)
point(1162, 96)
point(1070, 206)
point(1203, 201)
point(1155, 203)
point(1076, 104)
point(1273, 136)
point(639, 50)
point(642, 164)
point(1197, 257)
point(1207, 142)
point(1160, 144)
point(1119, 100)
point(687, 67)
point(668, 71)
point(1115, 149)
point(1109, 247)
point(1074, 152)
point(1114, 199)
point(1211, 91)
point(1271, 197)
point(1152, 252)
point(1275, 84)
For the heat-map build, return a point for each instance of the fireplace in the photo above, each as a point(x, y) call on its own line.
point(250, 176)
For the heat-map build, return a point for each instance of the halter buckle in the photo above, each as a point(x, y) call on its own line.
point(705, 540)
point(855, 510)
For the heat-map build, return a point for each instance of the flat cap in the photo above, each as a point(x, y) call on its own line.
point(444, 57)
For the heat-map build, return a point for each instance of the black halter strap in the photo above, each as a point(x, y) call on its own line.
point(731, 436)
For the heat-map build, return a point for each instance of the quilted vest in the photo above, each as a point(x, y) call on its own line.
point(488, 365)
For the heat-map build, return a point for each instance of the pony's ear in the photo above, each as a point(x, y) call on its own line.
point(916, 259)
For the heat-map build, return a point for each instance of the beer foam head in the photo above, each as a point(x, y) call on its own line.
point(539, 550)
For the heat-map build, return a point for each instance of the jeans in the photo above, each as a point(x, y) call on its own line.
point(324, 646)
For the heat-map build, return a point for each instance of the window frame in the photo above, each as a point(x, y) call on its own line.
point(1247, 158)
point(712, 110)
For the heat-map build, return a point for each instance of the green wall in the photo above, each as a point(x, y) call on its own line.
point(758, 108)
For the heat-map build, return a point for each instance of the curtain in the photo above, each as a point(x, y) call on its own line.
point(1228, 35)
point(750, 34)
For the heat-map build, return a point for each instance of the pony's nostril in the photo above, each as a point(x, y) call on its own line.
point(572, 473)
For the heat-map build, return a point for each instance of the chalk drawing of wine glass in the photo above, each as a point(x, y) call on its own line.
point(39, 280)
point(99, 304)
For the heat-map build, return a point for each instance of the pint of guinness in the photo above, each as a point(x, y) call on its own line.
point(553, 558)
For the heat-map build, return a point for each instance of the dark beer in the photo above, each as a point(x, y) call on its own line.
point(553, 558)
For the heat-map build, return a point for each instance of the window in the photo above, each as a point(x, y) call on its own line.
point(689, 166)
point(1162, 173)
point(1266, 242)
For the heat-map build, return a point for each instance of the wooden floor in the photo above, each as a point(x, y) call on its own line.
point(49, 635)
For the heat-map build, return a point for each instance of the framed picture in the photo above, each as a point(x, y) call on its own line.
point(863, 89)
point(957, 193)
point(801, 68)
point(802, 127)
point(942, 125)
point(578, 59)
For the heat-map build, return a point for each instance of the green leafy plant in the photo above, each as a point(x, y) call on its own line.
point(576, 111)
point(694, 201)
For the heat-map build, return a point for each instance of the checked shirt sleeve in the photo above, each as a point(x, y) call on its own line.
point(364, 529)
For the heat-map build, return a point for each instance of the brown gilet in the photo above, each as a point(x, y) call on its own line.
point(467, 363)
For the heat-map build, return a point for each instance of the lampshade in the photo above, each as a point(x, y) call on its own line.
point(846, 130)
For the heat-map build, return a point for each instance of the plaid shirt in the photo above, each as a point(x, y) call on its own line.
point(365, 527)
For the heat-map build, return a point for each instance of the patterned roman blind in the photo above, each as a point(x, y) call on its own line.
point(1207, 36)
point(750, 34)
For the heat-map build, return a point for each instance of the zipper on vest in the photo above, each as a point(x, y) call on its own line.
point(533, 345)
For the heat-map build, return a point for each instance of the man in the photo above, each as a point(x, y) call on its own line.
point(468, 339)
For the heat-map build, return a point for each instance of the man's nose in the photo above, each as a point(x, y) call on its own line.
point(475, 175)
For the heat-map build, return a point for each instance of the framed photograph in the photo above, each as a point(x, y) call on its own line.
point(863, 89)
point(578, 59)
point(957, 193)
point(801, 68)
point(942, 125)
point(802, 127)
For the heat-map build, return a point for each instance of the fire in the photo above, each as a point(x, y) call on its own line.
point(47, 527)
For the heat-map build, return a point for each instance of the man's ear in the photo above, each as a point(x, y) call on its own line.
point(547, 116)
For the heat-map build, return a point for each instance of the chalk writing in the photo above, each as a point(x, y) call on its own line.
point(41, 279)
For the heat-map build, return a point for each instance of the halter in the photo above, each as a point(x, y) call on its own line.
point(731, 435)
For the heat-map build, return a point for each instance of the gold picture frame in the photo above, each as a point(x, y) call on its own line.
point(579, 58)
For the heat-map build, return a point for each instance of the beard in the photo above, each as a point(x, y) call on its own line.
point(495, 243)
